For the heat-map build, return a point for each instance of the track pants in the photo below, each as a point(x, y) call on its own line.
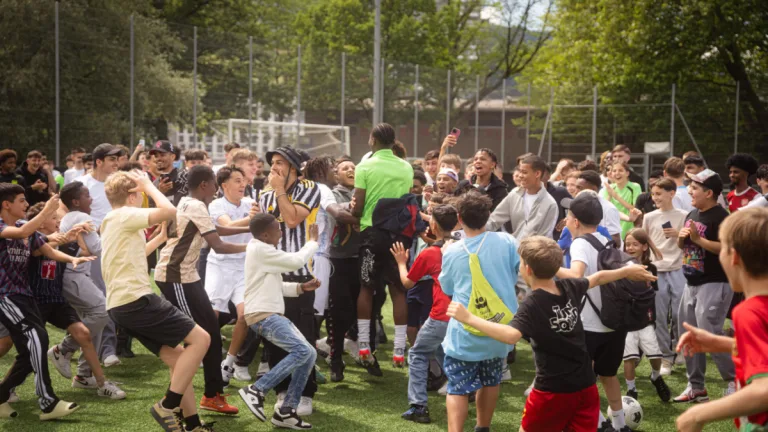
point(91, 305)
point(671, 286)
point(192, 299)
point(109, 334)
point(19, 314)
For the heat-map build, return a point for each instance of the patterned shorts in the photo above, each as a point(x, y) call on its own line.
point(465, 377)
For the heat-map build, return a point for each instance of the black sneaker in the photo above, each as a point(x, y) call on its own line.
point(337, 370)
point(482, 429)
point(254, 400)
point(606, 426)
point(290, 420)
point(632, 393)
point(661, 389)
point(417, 414)
point(512, 356)
point(375, 369)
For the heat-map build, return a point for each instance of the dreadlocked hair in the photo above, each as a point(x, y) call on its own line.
point(316, 169)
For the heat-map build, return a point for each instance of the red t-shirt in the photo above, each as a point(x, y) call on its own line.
point(430, 262)
point(736, 201)
point(750, 356)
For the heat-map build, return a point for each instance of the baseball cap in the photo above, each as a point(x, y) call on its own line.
point(103, 150)
point(293, 156)
point(709, 179)
point(586, 208)
point(163, 146)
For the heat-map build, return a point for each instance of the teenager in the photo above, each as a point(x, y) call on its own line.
point(447, 181)
point(590, 180)
point(740, 167)
point(623, 194)
point(131, 303)
point(170, 180)
point(622, 154)
point(483, 178)
point(695, 164)
point(228, 148)
point(194, 158)
point(78, 168)
point(675, 169)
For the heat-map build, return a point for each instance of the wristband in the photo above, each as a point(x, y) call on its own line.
point(278, 197)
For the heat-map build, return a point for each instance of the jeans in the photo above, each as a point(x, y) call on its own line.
point(428, 343)
point(298, 364)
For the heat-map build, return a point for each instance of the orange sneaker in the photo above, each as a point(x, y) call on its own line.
point(218, 404)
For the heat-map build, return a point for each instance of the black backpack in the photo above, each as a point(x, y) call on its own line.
point(627, 305)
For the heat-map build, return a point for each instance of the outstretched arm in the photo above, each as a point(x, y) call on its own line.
point(502, 333)
point(29, 228)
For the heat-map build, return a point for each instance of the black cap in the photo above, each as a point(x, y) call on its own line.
point(586, 208)
point(103, 150)
point(709, 179)
point(293, 156)
point(163, 146)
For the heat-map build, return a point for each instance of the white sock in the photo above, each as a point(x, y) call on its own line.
point(631, 385)
point(618, 419)
point(230, 360)
point(400, 336)
point(363, 331)
point(655, 374)
point(602, 418)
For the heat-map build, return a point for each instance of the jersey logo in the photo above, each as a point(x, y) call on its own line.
point(48, 270)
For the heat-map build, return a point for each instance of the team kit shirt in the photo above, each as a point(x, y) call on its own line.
point(46, 279)
point(750, 353)
point(629, 193)
point(699, 265)
point(383, 175)
point(304, 193)
point(218, 208)
point(430, 263)
point(122, 234)
point(552, 326)
point(738, 200)
point(178, 259)
point(14, 261)
point(582, 250)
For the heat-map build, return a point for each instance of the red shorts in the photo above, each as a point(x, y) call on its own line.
point(569, 412)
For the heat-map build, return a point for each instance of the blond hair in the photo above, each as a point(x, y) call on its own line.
point(542, 255)
point(243, 154)
point(117, 188)
point(451, 159)
point(746, 232)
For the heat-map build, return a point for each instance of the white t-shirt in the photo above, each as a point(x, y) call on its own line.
point(220, 207)
point(683, 200)
point(100, 205)
point(759, 201)
point(582, 251)
point(652, 224)
point(528, 201)
point(71, 174)
point(325, 222)
point(611, 220)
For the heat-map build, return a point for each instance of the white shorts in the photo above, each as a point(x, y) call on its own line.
point(224, 284)
point(321, 269)
point(642, 341)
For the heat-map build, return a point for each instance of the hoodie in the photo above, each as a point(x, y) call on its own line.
point(541, 220)
point(33, 196)
point(496, 190)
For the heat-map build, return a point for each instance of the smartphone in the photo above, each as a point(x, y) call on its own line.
point(142, 142)
point(456, 132)
point(667, 224)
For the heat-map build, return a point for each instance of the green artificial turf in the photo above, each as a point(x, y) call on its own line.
point(359, 403)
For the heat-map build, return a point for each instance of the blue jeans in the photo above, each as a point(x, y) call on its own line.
point(299, 362)
point(428, 343)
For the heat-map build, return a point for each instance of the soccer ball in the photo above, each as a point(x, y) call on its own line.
point(633, 412)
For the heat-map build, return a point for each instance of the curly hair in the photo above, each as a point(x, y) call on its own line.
point(742, 161)
point(316, 169)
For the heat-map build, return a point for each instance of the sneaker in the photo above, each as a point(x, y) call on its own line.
point(279, 401)
point(168, 419)
point(254, 400)
point(319, 377)
point(351, 348)
point(218, 404)
point(204, 428)
point(110, 390)
point(263, 369)
point(226, 373)
point(62, 409)
point(305, 406)
point(666, 367)
point(60, 361)
point(632, 393)
point(365, 354)
point(661, 389)
point(625, 429)
point(528, 391)
point(374, 369)
point(730, 390)
point(506, 375)
point(398, 358)
point(82, 382)
point(690, 395)
point(606, 426)
point(13, 398)
point(443, 391)
point(290, 421)
point(512, 356)
point(6, 411)
point(323, 349)
point(111, 360)
point(680, 359)
point(242, 374)
point(417, 414)
point(337, 371)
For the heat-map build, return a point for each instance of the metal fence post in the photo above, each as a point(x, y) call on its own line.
point(672, 125)
point(58, 96)
point(736, 121)
point(594, 122)
point(377, 63)
point(416, 114)
point(528, 121)
point(381, 92)
point(343, 93)
point(194, 88)
point(503, 117)
point(448, 105)
point(477, 110)
point(250, 90)
point(298, 95)
point(133, 77)
point(551, 124)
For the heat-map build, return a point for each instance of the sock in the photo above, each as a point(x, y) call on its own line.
point(631, 385)
point(172, 400)
point(618, 419)
point(655, 374)
point(602, 418)
point(192, 422)
point(364, 331)
point(230, 360)
point(400, 331)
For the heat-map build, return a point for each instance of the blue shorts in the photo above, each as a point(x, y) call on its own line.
point(465, 377)
point(419, 301)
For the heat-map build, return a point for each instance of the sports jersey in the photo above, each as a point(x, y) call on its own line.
point(738, 200)
point(46, 279)
point(750, 355)
point(178, 259)
point(14, 261)
point(220, 207)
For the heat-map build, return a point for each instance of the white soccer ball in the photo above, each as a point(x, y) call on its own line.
point(633, 412)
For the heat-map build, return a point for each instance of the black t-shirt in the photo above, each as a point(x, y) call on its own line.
point(179, 190)
point(637, 178)
point(699, 265)
point(552, 325)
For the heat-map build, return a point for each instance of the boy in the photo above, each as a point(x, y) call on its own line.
point(131, 304)
point(675, 169)
point(565, 395)
point(744, 240)
point(264, 314)
point(662, 226)
point(472, 363)
point(740, 167)
point(18, 311)
point(707, 296)
point(432, 332)
point(194, 157)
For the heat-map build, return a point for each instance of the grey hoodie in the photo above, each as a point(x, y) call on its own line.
point(542, 219)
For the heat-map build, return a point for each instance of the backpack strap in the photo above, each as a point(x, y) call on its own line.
point(591, 303)
point(592, 240)
point(464, 244)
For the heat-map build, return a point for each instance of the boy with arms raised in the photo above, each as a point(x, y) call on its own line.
point(565, 395)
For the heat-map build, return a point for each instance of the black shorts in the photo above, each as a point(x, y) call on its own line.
point(154, 321)
point(60, 315)
point(419, 300)
point(377, 265)
point(606, 351)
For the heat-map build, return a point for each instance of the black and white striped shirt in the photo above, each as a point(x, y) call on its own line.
point(304, 193)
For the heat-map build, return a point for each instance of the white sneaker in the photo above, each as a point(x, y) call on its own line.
point(242, 374)
point(506, 375)
point(263, 369)
point(528, 391)
point(111, 360)
point(84, 382)
point(443, 391)
point(323, 349)
point(110, 390)
point(226, 373)
point(13, 398)
point(730, 390)
point(666, 367)
point(351, 348)
point(280, 400)
point(680, 360)
point(60, 361)
point(305, 406)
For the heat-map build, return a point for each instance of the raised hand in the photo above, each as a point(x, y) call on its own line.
point(311, 285)
point(400, 253)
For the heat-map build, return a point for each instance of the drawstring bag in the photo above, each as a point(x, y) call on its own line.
point(483, 301)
